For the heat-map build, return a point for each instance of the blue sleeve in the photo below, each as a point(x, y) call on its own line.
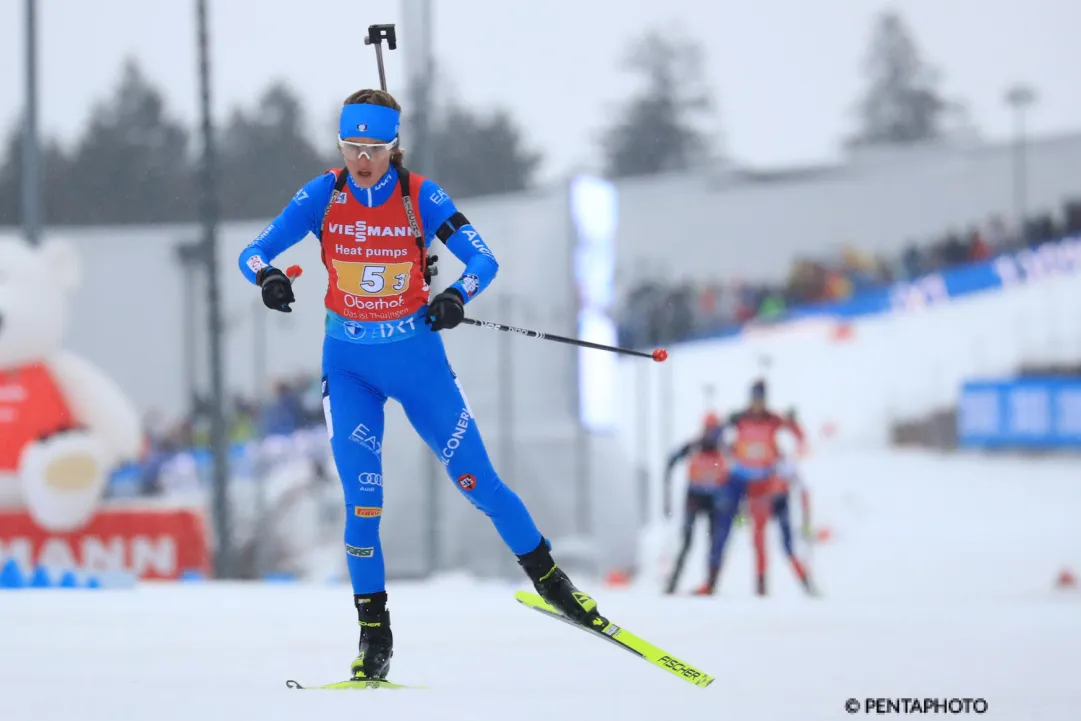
point(301, 216)
point(436, 208)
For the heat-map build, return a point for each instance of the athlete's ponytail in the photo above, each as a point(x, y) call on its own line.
point(379, 97)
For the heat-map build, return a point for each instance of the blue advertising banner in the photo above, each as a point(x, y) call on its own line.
point(1020, 413)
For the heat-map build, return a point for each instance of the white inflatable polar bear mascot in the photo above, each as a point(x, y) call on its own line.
point(64, 425)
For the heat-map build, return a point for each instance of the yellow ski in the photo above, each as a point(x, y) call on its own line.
point(353, 685)
point(624, 639)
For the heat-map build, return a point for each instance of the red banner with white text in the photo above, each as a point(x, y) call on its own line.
point(153, 544)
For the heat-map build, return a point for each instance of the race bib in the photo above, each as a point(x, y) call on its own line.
point(373, 279)
point(755, 451)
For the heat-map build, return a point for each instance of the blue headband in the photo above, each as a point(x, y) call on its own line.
point(369, 121)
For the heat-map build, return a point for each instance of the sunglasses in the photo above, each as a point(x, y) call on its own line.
point(355, 151)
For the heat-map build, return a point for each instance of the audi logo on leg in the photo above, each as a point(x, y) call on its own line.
point(370, 479)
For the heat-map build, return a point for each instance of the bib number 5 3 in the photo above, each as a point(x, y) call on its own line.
point(378, 280)
point(374, 279)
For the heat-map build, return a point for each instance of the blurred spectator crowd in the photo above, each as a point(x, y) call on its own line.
point(657, 313)
point(294, 405)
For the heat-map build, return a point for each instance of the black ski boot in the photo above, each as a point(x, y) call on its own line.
point(376, 640)
point(554, 587)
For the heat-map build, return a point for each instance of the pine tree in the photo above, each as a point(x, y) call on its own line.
point(902, 103)
point(656, 130)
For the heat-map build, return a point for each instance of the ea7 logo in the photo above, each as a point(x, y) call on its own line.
point(364, 437)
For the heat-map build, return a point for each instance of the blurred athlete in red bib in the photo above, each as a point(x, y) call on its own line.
point(770, 499)
point(755, 456)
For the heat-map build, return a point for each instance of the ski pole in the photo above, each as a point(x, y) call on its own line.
point(659, 355)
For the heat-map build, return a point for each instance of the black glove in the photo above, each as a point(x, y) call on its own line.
point(446, 310)
point(277, 289)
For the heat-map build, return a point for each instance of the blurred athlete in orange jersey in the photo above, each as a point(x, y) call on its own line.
point(706, 473)
point(769, 498)
point(754, 463)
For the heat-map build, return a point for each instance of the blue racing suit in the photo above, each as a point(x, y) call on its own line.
point(366, 362)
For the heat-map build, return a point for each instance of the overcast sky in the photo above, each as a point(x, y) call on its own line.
point(785, 73)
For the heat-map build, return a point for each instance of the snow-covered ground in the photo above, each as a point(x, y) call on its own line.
point(938, 582)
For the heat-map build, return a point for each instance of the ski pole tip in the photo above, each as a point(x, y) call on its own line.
point(293, 272)
point(660, 355)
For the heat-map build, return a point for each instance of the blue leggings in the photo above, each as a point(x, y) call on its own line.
point(729, 498)
point(779, 509)
point(357, 380)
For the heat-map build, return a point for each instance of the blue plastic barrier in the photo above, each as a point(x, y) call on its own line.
point(1036, 413)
